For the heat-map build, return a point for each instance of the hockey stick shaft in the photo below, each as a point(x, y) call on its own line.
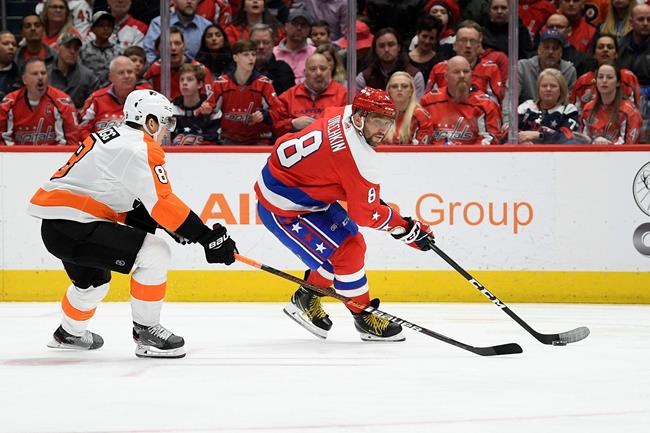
point(503, 349)
point(554, 339)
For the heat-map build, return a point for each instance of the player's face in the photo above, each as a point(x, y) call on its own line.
point(605, 51)
point(400, 89)
point(375, 128)
point(549, 92)
point(189, 85)
point(214, 39)
point(7, 48)
point(606, 80)
point(35, 78)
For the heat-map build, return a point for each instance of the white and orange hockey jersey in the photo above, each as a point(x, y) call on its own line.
point(102, 179)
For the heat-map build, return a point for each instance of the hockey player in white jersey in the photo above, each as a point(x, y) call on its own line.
point(99, 212)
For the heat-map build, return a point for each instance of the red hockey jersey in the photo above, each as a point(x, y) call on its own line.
point(477, 121)
point(326, 162)
point(237, 103)
point(53, 121)
point(585, 88)
point(298, 101)
point(625, 131)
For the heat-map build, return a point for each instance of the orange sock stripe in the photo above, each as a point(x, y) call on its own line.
point(144, 292)
point(75, 313)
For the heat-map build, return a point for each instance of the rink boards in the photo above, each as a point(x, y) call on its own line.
point(547, 224)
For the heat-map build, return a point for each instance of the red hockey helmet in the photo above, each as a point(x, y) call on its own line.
point(371, 100)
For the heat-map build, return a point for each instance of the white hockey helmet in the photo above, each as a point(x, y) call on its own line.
point(141, 103)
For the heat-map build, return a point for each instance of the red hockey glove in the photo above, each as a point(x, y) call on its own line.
point(417, 235)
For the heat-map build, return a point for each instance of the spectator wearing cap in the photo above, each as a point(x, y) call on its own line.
point(279, 72)
point(448, 13)
point(364, 44)
point(549, 55)
point(68, 74)
point(96, 54)
point(385, 58)
point(581, 61)
point(9, 72)
point(128, 31)
point(185, 18)
point(294, 48)
point(32, 30)
point(333, 12)
point(582, 32)
point(250, 13)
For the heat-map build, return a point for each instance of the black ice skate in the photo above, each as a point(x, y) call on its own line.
point(373, 328)
point(307, 311)
point(157, 342)
point(64, 340)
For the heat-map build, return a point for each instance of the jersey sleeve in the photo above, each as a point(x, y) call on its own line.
point(633, 125)
point(280, 116)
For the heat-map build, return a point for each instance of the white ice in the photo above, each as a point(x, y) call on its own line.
point(249, 368)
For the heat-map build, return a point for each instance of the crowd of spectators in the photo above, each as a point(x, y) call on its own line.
point(245, 72)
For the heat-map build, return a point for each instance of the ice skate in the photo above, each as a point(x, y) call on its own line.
point(374, 328)
point(64, 340)
point(157, 342)
point(307, 311)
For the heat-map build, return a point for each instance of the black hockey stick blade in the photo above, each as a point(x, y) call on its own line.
point(503, 349)
point(561, 339)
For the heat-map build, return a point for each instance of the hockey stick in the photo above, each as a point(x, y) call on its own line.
point(503, 349)
point(561, 339)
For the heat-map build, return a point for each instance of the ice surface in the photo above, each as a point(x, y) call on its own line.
point(249, 368)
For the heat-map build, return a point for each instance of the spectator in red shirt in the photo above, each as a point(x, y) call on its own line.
point(38, 114)
point(300, 105)
point(413, 124)
point(582, 32)
point(459, 115)
point(104, 107)
point(244, 97)
point(609, 118)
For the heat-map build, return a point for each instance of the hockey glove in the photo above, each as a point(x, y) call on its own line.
point(417, 235)
point(139, 218)
point(219, 247)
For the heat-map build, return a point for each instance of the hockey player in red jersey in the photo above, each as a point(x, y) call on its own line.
point(117, 176)
point(308, 172)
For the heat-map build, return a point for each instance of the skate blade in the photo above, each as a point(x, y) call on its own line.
point(301, 319)
point(142, 351)
point(56, 345)
point(374, 338)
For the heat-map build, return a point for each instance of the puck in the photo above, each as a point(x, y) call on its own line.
point(559, 343)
